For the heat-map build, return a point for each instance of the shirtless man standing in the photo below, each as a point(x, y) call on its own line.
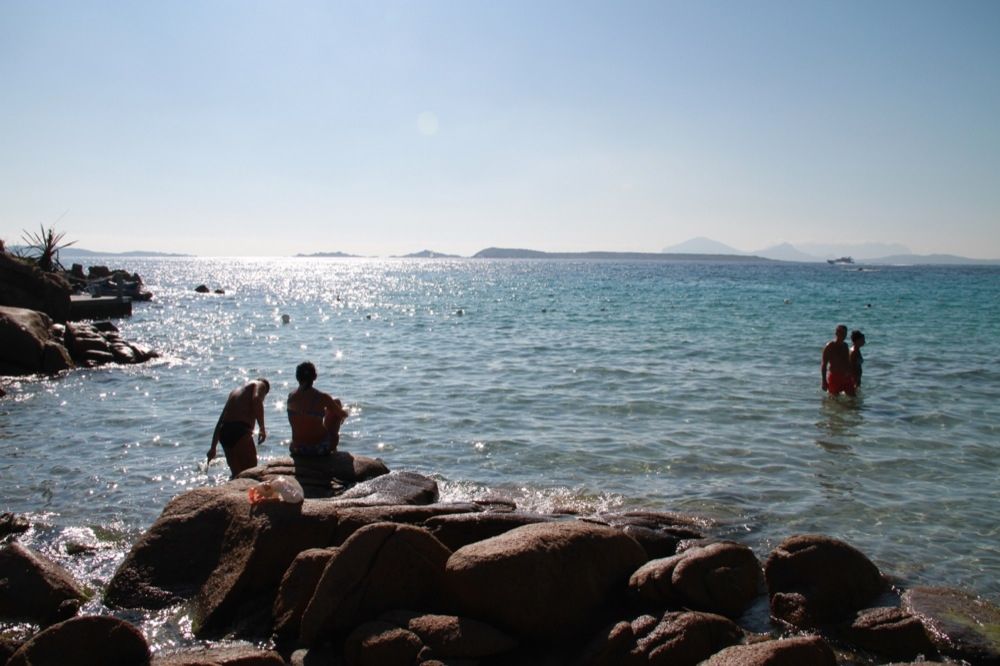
point(836, 366)
point(235, 427)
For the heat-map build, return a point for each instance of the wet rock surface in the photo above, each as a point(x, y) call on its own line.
point(960, 624)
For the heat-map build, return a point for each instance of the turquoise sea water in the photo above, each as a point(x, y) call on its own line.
point(590, 385)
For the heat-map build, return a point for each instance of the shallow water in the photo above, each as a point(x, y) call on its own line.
point(590, 385)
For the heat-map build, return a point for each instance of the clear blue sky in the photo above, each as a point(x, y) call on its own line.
point(369, 127)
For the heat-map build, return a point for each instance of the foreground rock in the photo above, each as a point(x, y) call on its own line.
point(35, 589)
point(722, 577)
point(890, 632)
point(814, 580)
point(381, 567)
point(542, 580)
point(677, 638)
point(960, 624)
point(811, 650)
point(85, 641)
point(220, 656)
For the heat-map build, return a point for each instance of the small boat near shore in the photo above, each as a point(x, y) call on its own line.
point(840, 261)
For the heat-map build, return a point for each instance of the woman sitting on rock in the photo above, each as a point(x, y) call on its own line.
point(315, 416)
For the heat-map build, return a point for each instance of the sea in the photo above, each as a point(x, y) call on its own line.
point(589, 386)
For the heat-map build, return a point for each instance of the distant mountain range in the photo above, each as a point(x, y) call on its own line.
point(867, 253)
point(513, 253)
point(696, 249)
point(80, 252)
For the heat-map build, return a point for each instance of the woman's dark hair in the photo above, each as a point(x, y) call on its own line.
point(305, 374)
point(857, 335)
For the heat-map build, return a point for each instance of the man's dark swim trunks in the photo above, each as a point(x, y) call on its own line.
point(232, 432)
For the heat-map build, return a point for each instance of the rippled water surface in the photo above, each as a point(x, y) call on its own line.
point(592, 385)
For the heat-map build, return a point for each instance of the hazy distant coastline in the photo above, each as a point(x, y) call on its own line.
point(697, 249)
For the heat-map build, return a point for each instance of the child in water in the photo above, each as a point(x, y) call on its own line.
point(857, 342)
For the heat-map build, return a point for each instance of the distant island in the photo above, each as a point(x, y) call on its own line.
point(514, 253)
point(429, 254)
point(80, 252)
point(335, 255)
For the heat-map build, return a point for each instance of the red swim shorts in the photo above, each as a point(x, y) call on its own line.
point(837, 382)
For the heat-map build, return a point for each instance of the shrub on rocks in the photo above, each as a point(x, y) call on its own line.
point(960, 624)
point(676, 638)
point(542, 580)
point(813, 580)
point(35, 589)
point(85, 641)
point(811, 650)
point(381, 567)
point(721, 577)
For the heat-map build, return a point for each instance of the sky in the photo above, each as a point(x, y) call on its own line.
point(249, 128)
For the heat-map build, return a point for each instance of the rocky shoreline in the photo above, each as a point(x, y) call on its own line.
point(36, 334)
point(371, 568)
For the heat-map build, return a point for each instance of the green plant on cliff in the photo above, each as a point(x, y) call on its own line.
point(46, 243)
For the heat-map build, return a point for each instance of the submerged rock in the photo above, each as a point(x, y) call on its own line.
point(35, 589)
point(960, 624)
point(542, 580)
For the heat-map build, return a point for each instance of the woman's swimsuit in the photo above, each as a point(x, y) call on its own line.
point(232, 432)
point(321, 448)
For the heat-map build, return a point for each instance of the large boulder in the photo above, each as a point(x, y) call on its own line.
point(460, 529)
point(27, 344)
point(811, 650)
point(676, 638)
point(722, 577)
point(320, 476)
point(24, 285)
point(35, 589)
point(85, 641)
point(389, 489)
point(382, 567)
point(890, 632)
point(960, 624)
point(814, 580)
point(542, 580)
point(297, 588)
